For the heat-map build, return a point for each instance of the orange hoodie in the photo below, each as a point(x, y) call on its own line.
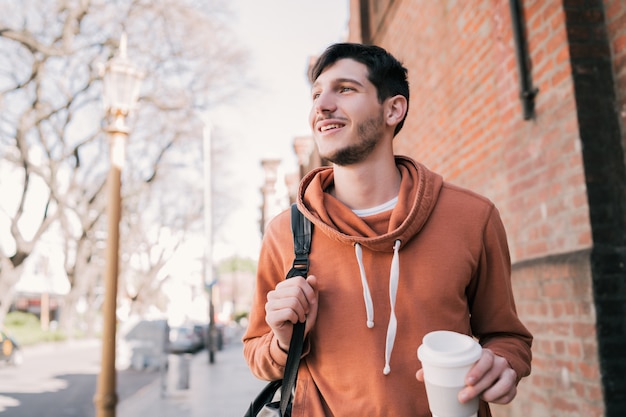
point(438, 261)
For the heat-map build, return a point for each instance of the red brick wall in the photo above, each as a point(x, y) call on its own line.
point(465, 121)
point(615, 11)
point(555, 301)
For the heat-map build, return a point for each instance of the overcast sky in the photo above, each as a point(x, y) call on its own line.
point(281, 36)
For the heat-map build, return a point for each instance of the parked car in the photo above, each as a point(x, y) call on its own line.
point(184, 340)
point(201, 330)
point(142, 344)
point(10, 351)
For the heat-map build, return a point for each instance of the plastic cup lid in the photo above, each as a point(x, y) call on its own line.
point(448, 349)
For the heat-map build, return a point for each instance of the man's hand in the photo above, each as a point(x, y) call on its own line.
point(491, 378)
point(293, 300)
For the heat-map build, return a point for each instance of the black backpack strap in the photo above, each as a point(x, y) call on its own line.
point(301, 227)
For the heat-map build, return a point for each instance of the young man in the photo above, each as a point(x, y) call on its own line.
point(396, 253)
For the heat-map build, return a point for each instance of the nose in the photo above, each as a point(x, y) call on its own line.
point(324, 103)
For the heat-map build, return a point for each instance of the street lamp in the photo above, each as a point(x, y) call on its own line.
point(121, 82)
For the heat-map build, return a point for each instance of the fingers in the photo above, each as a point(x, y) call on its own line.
point(420, 375)
point(503, 390)
point(312, 281)
point(293, 300)
point(492, 378)
point(312, 314)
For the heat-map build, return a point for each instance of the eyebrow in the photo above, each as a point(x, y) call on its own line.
point(341, 80)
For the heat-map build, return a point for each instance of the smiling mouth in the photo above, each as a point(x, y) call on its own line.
point(329, 127)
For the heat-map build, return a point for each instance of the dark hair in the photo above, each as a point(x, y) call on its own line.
point(384, 71)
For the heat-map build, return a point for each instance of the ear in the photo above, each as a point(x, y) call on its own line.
point(395, 110)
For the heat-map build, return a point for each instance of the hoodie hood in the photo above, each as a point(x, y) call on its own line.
point(419, 190)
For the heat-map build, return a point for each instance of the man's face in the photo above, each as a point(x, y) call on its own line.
point(346, 116)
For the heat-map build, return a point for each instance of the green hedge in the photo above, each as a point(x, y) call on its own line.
point(26, 329)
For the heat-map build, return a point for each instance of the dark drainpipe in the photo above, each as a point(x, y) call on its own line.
point(527, 92)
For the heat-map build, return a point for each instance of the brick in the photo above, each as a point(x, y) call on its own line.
point(466, 122)
point(583, 329)
point(555, 290)
point(593, 393)
point(561, 329)
point(614, 9)
point(575, 349)
point(580, 389)
point(592, 410)
point(619, 43)
point(564, 405)
point(589, 371)
point(559, 347)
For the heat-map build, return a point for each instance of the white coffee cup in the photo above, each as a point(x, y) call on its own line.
point(446, 358)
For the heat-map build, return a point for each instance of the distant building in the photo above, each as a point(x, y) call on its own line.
point(38, 303)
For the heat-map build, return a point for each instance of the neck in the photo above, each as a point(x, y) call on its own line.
point(366, 185)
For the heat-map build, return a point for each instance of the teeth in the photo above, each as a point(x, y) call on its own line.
point(328, 127)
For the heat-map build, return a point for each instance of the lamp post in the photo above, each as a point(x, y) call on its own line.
point(121, 82)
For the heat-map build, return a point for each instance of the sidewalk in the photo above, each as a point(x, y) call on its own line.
point(222, 389)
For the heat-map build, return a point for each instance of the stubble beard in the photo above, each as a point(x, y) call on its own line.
point(370, 133)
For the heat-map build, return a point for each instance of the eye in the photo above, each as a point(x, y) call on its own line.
point(315, 95)
point(345, 89)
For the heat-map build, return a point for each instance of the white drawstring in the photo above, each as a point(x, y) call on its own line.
point(394, 276)
point(367, 297)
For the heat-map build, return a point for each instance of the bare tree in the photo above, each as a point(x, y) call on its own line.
point(50, 125)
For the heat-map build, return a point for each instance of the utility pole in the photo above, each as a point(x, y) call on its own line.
point(209, 279)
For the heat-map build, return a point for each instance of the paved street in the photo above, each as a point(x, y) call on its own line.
point(59, 380)
point(222, 389)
